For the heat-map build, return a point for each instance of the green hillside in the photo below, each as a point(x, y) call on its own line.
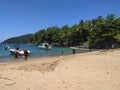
point(96, 33)
point(20, 39)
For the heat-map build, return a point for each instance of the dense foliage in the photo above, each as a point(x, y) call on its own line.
point(97, 33)
point(20, 39)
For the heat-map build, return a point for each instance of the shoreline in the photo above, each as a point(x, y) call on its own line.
point(22, 59)
point(13, 59)
point(89, 71)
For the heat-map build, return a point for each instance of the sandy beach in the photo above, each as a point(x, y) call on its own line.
point(91, 71)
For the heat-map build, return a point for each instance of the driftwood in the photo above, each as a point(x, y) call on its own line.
point(9, 84)
point(6, 78)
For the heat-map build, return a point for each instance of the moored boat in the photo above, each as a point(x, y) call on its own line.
point(6, 47)
point(20, 51)
point(45, 46)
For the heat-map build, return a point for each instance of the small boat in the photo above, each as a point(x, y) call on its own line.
point(45, 46)
point(20, 51)
point(6, 47)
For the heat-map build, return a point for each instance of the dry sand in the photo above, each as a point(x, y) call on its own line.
point(93, 71)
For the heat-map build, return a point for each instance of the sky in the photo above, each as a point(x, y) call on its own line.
point(20, 17)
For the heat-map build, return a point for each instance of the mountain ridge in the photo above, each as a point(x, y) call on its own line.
point(19, 39)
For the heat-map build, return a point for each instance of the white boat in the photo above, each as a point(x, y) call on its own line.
point(6, 47)
point(45, 46)
point(20, 52)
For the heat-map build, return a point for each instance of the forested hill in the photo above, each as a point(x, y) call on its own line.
point(20, 39)
point(97, 33)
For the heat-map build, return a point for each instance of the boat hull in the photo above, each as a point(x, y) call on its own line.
point(44, 48)
point(20, 52)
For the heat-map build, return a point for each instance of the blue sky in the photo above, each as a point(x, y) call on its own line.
point(19, 17)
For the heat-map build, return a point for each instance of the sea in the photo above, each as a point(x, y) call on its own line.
point(36, 52)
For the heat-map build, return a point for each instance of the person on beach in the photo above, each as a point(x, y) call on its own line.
point(106, 48)
point(113, 47)
point(26, 54)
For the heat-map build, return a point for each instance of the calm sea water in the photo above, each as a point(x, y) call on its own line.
point(5, 55)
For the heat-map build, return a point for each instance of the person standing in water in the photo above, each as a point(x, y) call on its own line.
point(16, 54)
point(26, 54)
